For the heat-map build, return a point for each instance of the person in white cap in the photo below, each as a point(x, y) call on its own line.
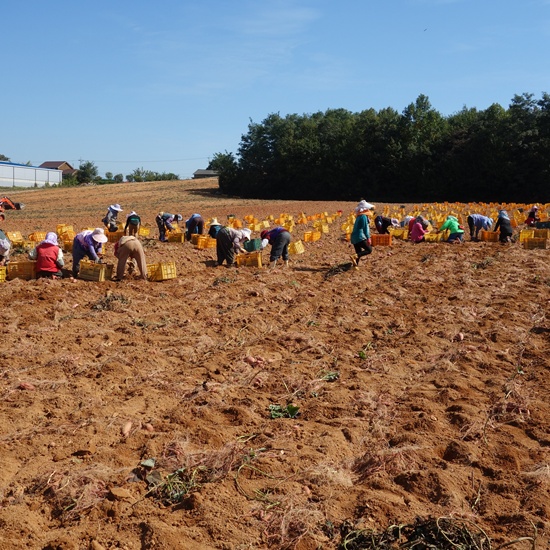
point(133, 221)
point(110, 219)
point(228, 242)
point(87, 244)
point(360, 236)
point(49, 258)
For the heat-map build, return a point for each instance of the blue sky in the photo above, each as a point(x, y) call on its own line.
point(164, 85)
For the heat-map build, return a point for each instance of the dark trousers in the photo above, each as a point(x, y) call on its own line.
point(362, 248)
point(196, 225)
point(280, 246)
point(225, 250)
point(79, 253)
point(162, 228)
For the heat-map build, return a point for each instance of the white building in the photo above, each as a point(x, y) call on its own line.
point(20, 175)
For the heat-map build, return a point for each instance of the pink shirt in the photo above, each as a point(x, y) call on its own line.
point(417, 232)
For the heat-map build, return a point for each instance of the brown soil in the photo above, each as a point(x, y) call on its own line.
point(422, 381)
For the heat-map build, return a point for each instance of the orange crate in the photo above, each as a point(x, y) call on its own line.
point(489, 236)
point(381, 240)
point(2, 274)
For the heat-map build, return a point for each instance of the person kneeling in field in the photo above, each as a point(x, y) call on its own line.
point(419, 229)
point(360, 236)
point(87, 244)
point(456, 231)
point(130, 247)
point(279, 238)
point(49, 258)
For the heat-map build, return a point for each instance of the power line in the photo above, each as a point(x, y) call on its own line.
point(144, 161)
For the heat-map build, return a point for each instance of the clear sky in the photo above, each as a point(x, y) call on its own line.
point(163, 85)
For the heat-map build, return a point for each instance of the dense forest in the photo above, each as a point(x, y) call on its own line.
point(488, 155)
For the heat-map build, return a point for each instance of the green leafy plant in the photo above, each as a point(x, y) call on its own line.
point(329, 376)
point(175, 486)
point(278, 411)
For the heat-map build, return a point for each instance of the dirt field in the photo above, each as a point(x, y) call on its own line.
point(138, 415)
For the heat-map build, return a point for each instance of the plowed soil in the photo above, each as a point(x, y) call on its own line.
point(138, 415)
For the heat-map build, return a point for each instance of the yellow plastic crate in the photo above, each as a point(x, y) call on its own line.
point(114, 236)
point(92, 271)
point(37, 236)
point(63, 228)
point(534, 242)
point(67, 235)
point(312, 236)
point(144, 231)
point(175, 237)
point(399, 233)
point(251, 259)
point(436, 237)
point(162, 271)
point(195, 238)
point(21, 270)
point(2, 274)
point(67, 245)
point(525, 234)
point(205, 241)
point(15, 237)
point(296, 247)
point(541, 233)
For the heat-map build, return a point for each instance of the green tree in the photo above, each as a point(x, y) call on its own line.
point(87, 172)
point(108, 175)
point(4, 158)
point(118, 178)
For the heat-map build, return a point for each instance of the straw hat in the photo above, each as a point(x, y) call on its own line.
point(246, 232)
point(116, 207)
point(98, 235)
point(215, 222)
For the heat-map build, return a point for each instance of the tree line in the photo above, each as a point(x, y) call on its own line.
point(88, 173)
point(418, 155)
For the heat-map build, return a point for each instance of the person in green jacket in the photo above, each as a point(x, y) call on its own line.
point(456, 231)
point(360, 236)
